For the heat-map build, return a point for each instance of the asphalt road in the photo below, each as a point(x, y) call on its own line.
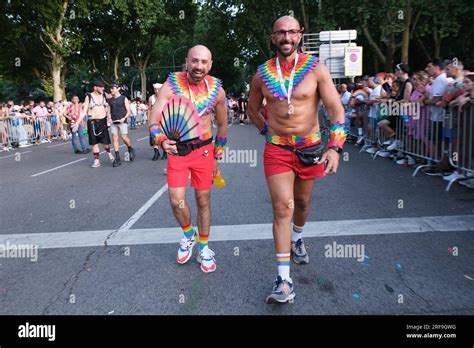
point(43, 194)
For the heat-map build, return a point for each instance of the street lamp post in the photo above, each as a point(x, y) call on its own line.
point(176, 50)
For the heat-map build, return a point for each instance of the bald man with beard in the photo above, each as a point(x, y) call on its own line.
point(293, 85)
point(206, 93)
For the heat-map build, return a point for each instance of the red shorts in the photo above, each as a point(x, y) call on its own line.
point(277, 160)
point(199, 162)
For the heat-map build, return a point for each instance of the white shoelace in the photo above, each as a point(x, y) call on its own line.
point(186, 243)
point(207, 253)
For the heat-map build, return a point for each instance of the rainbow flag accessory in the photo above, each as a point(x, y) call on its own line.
point(338, 134)
point(268, 73)
point(360, 92)
point(380, 78)
point(294, 140)
point(283, 259)
point(180, 120)
point(204, 98)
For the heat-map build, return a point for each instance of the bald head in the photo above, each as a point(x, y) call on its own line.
point(286, 21)
point(198, 63)
point(201, 51)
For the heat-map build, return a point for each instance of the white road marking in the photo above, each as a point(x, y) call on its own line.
point(65, 143)
point(65, 165)
point(135, 217)
point(142, 138)
point(58, 167)
point(21, 153)
point(443, 224)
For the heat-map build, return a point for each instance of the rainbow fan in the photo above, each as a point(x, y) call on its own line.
point(180, 121)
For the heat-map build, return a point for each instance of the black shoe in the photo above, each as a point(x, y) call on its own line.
point(131, 153)
point(86, 151)
point(116, 162)
point(78, 151)
point(156, 156)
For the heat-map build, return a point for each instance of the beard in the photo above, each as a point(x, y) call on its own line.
point(287, 53)
point(192, 75)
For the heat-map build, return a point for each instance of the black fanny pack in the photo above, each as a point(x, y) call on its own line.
point(309, 156)
point(185, 148)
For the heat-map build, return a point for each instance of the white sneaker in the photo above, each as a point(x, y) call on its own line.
point(395, 145)
point(96, 164)
point(386, 143)
point(372, 150)
point(453, 175)
point(111, 157)
point(44, 141)
point(48, 141)
point(185, 250)
point(401, 161)
point(384, 154)
point(207, 260)
point(6, 149)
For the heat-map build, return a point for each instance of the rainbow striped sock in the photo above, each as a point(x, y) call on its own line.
point(203, 239)
point(283, 262)
point(188, 230)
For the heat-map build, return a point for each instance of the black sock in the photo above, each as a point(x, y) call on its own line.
point(96, 155)
point(117, 154)
point(129, 148)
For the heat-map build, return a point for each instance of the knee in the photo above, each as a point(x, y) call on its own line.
point(283, 210)
point(203, 202)
point(177, 203)
point(302, 203)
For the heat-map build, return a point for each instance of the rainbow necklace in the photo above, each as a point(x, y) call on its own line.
point(203, 100)
point(282, 88)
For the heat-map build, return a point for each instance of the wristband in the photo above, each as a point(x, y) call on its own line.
point(264, 130)
point(338, 134)
point(219, 146)
point(156, 135)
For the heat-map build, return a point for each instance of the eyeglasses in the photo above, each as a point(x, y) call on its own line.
point(282, 33)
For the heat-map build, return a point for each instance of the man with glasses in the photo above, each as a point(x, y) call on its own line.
point(293, 85)
point(119, 112)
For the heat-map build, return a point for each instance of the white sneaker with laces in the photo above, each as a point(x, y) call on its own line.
point(207, 260)
point(185, 250)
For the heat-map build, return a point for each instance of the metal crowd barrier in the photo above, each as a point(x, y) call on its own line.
point(21, 130)
point(431, 142)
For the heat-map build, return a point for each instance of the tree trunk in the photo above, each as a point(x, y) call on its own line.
point(142, 70)
point(406, 32)
point(437, 42)
point(305, 18)
point(116, 65)
point(63, 82)
point(56, 75)
point(389, 55)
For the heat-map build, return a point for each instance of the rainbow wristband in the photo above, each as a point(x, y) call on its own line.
point(338, 134)
point(219, 145)
point(264, 130)
point(156, 135)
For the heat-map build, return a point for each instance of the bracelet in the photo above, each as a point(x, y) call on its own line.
point(156, 135)
point(219, 146)
point(264, 130)
point(338, 134)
